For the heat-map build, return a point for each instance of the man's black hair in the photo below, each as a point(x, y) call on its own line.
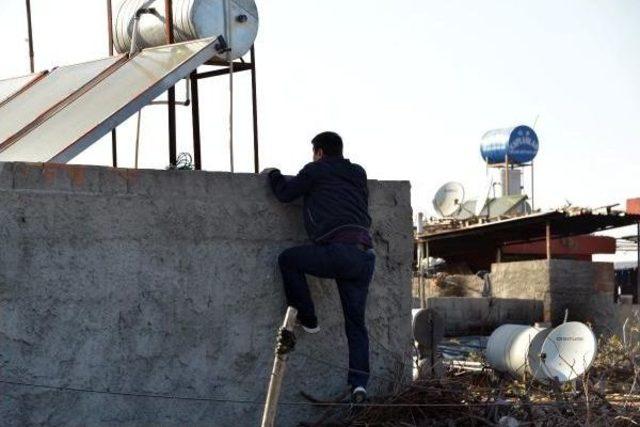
point(330, 142)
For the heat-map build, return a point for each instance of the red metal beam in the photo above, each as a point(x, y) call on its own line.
point(569, 246)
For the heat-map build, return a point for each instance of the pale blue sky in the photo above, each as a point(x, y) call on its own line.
point(410, 84)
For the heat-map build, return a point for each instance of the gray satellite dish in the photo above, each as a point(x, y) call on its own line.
point(449, 199)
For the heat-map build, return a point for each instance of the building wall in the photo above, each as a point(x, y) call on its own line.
point(165, 283)
point(584, 288)
point(463, 316)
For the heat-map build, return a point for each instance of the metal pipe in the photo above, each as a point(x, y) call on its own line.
point(638, 267)
point(110, 26)
point(277, 374)
point(137, 154)
point(168, 27)
point(114, 148)
point(533, 194)
point(419, 269)
point(231, 163)
point(506, 162)
point(133, 49)
point(237, 67)
point(173, 150)
point(195, 119)
point(427, 257)
point(171, 93)
point(254, 96)
point(548, 238)
point(30, 31)
point(229, 37)
point(187, 95)
point(114, 134)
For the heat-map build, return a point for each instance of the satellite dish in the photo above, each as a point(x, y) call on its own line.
point(484, 197)
point(449, 199)
point(563, 353)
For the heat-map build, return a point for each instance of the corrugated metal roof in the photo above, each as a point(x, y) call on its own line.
point(490, 236)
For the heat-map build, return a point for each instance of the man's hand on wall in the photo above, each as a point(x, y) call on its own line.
point(267, 171)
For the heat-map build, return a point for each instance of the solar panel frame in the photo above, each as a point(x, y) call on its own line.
point(30, 80)
point(46, 87)
point(194, 53)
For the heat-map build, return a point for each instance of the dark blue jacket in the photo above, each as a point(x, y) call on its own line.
point(336, 196)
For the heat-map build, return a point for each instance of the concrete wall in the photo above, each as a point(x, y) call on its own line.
point(455, 285)
point(481, 316)
point(158, 282)
point(584, 288)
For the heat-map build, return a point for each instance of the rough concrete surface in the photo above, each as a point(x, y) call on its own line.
point(584, 288)
point(165, 283)
point(481, 316)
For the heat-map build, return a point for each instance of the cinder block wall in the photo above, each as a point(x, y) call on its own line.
point(165, 283)
point(584, 288)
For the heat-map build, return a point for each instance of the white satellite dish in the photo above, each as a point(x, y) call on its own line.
point(484, 197)
point(557, 354)
point(449, 199)
point(563, 353)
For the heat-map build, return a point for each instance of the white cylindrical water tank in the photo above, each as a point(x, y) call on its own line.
point(192, 19)
point(508, 347)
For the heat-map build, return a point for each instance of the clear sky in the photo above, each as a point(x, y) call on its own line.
point(411, 85)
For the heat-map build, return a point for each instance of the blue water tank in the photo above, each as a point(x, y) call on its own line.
point(519, 143)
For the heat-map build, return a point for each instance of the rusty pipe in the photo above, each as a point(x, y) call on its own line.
point(110, 26)
point(171, 93)
point(254, 105)
point(30, 31)
point(168, 13)
point(114, 134)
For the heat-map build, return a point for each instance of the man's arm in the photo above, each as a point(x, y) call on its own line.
point(289, 189)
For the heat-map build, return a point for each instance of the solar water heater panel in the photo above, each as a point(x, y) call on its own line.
point(110, 102)
point(9, 87)
point(47, 93)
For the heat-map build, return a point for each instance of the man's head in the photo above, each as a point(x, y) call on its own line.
point(326, 144)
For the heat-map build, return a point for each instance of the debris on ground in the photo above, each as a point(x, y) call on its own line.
point(607, 395)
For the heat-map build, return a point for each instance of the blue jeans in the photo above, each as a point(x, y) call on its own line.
point(352, 268)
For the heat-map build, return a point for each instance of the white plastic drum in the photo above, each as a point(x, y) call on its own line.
point(563, 353)
point(508, 348)
point(193, 19)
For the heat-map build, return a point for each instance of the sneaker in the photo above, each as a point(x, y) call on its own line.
point(309, 330)
point(358, 395)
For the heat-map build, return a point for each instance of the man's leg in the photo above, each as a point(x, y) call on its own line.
point(353, 296)
point(294, 264)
